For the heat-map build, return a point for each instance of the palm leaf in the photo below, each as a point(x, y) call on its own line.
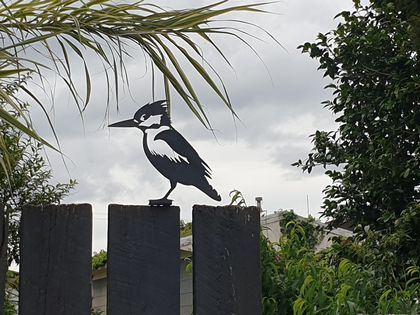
point(106, 29)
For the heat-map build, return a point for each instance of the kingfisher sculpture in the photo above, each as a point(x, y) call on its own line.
point(169, 152)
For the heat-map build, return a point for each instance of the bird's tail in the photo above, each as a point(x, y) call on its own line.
point(210, 191)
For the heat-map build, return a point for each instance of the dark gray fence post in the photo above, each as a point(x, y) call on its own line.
point(143, 260)
point(3, 256)
point(55, 269)
point(226, 260)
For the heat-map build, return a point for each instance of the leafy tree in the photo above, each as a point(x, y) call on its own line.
point(273, 290)
point(298, 280)
point(410, 10)
point(99, 259)
point(28, 181)
point(391, 251)
point(375, 70)
point(373, 161)
point(298, 236)
point(59, 29)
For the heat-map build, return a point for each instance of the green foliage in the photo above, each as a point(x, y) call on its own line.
point(410, 10)
point(185, 228)
point(273, 291)
point(9, 307)
point(99, 260)
point(237, 198)
point(28, 179)
point(97, 312)
point(189, 265)
point(298, 280)
point(313, 232)
point(352, 289)
point(373, 159)
point(280, 289)
point(374, 156)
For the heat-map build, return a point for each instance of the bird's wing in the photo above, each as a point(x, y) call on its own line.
point(161, 148)
point(184, 150)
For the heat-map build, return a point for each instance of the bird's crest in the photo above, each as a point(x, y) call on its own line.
point(154, 109)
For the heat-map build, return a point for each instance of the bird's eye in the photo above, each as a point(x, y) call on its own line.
point(144, 117)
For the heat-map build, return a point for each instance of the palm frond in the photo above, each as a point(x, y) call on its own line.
point(108, 30)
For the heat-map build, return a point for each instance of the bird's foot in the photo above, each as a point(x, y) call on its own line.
point(160, 202)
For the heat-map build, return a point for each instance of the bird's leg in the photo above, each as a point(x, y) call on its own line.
point(173, 185)
point(164, 201)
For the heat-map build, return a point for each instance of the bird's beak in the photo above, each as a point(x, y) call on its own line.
point(124, 123)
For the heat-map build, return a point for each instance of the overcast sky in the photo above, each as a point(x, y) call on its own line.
point(278, 102)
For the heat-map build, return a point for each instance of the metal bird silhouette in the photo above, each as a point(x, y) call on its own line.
point(169, 152)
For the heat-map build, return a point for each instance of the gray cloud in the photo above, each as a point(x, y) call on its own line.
point(277, 115)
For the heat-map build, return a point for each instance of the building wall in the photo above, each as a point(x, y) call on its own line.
point(99, 291)
point(270, 226)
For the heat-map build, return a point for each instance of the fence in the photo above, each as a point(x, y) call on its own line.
point(143, 260)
